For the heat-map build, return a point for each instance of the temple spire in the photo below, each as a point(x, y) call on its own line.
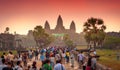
point(47, 26)
point(59, 25)
point(72, 26)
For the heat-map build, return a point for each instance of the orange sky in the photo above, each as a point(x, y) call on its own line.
point(24, 15)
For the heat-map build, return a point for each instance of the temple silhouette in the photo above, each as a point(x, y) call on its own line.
point(59, 31)
point(60, 28)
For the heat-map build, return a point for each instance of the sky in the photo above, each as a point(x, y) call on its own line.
point(24, 15)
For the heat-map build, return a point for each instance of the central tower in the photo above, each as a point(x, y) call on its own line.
point(59, 27)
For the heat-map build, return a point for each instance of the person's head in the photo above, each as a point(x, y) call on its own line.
point(3, 61)
point(9, 64)
point(10, 52)
point(47, 61)
point(34, 64)
point(81, 52)
point(28, 67)
point(58, 61)
point(18, 63)
point(2, 57)
point(4, 53)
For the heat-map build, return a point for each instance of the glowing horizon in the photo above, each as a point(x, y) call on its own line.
point(24, 15)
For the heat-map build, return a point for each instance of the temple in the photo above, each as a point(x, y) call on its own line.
point(60, 29)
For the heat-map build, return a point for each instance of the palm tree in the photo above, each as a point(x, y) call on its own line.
point(41, 38)
point(7, 30)
point(94, 30)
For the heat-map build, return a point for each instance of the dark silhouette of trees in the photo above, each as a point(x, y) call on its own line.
point(41, 38)
point(94, 30)
point(7, 30)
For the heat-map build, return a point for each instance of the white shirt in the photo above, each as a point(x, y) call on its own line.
point(93, 61)
point(63, 54)
point(59, 66)
point(57, 57)
point(80, 56)
point(2, 66)
point(18, 68)
point(52, 59)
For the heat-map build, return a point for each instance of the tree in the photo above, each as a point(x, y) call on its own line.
point(7, 30)
point(94, 30)
point(41, 38)
point(67, 40)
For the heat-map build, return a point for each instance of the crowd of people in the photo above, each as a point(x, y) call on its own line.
point(52, 58)
point(87, 61)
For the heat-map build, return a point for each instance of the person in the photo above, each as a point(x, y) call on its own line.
point(3, 64)
point(18, 66)
point(42, 57)
point(34, 67)
point(88, 67)
point(80, 59)
point(67, 56)
point(10, 56)
point(3, 55)
point(36, 54)
point(59, 66)
point(72, 59)
point(57, 56)
point(63, 57)
point(46, 65)
point(30, 54)
point(118, 55)
point(24, 59)
point(93, 63)
point(9, 66)
point(84, 64)
point(52, 59)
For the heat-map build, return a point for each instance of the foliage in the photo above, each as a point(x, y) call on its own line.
point(112, 42)
point(94, 30)
point(42, 38)
point(7, 30)
point(68, 41)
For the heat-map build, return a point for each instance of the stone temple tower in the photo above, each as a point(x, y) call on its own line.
point(47, 27)
point(59, 27)
point(72, 27)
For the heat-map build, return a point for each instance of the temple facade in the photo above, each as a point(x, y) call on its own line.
point(60, 29)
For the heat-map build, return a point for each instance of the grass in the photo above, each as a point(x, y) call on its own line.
point(108, 58)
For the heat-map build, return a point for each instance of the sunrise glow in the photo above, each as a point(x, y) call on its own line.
point(24, 15)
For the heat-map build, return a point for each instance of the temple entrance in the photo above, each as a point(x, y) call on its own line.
point(60, 36)
point(58, 40)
